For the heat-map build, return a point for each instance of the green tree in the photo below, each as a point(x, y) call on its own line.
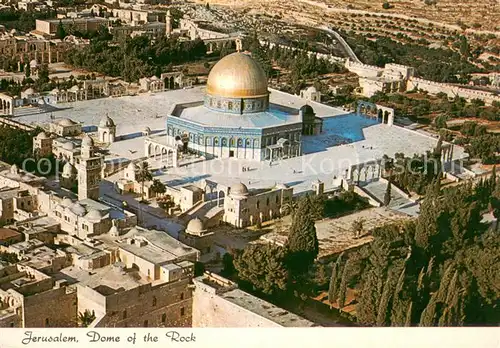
point(143, 175)
point(302, 244)
point(158, 187)
point(387, 195)
point(86, 318)
point(27, 71)
point(263, 267)
point(60, 31)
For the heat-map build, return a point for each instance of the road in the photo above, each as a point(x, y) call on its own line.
point(344, 44)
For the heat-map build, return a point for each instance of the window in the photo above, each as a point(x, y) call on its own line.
point(125, 314)
point(46, 322)
point(11, 325)
point(258, 204)
point(277, 199)
point(154, 297)
point(164, 318)
point(230, 105)
point(182, 311)
point(267, 201)
point(145, 323)
point(182, 296)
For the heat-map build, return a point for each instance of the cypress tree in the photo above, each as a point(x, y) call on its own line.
point(343, 285)
point(60, 32)
point(334, 280)
point(387, 196)
point(302, 244)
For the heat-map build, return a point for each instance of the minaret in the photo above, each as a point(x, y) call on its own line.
point(89, 171)
point(168, 26)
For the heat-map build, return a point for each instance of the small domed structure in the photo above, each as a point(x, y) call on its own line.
point(94, 215)
point(238, 190)
point(78, 209)
point(42, 136)
point(195, 226)
point(68, 146)
point(66, 202)
point(68, 170)
point(66, 122)
point(106, 131)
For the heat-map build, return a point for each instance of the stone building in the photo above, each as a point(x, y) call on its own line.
point(217, 303)
point(311, 94)
point(42, 144)
point(66, 149)
point(26, 49)
point(152, 84)
point(83, 25)
point(197, 236)
point(106, 131)
point(65, 127)
point(141, 278)
point(30, 298)
point(245, 208)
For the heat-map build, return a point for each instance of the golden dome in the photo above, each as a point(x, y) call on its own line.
point(237, 75)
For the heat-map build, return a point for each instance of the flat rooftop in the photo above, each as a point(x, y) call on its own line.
point(265, 309)
point(161, 248)
point(106, 280)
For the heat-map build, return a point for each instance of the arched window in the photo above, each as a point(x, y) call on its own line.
point(277, 199)
point(258, 204)
point(267, 201)
point(240, 142)
point(231, 141)
point(248, 142)
point(216, 141)
point(209, 141)
point(224, 142)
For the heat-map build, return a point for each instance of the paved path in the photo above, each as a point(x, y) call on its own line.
point(344, 44)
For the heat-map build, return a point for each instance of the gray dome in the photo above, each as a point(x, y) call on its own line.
point(239, 190)
point(41, 136)
point(66, 122)
point(94, 215)
point(68, 145)
point(195, 226)
point(68, 169)
point(66, 202)
point(78, 209)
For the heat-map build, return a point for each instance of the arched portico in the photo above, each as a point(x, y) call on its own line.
point(385, 114)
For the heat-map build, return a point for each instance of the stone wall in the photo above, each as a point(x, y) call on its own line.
point(212, 310)
point(162, 305)
point(53, 308)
